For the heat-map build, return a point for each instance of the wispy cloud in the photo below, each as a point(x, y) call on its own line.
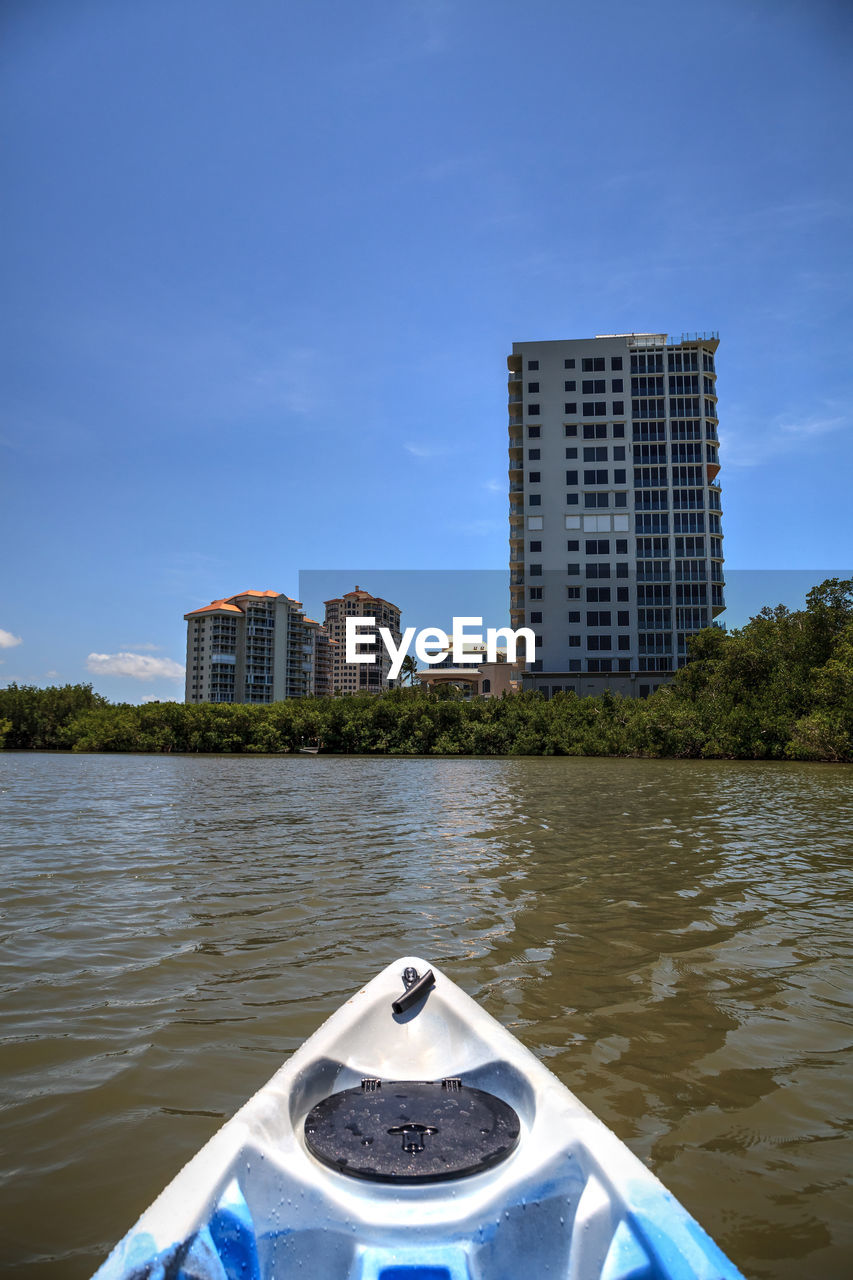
point(494, 486)
point(814, 426)
point(8, 640)
point(745, 442)
point(134, 665)
point(144, 648)
point(418, 450)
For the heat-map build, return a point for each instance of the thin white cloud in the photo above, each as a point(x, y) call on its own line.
point(418, 450)
point(494, 486)
point(7, 640)
point(135, 665)
point(751, 444)
point(51, 675)
point(144, 648)
point(813, 426)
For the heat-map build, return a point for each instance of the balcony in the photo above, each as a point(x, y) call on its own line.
point(515, 398)
point(515, 442)
point(654, 575)
point(513, 363)
point(516, 509)
point(515, 419)
point(516, 579)
point(514, 375)
point(691, 575)
point(515, 487)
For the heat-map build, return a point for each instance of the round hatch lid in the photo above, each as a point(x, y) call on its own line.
point(411, 1130)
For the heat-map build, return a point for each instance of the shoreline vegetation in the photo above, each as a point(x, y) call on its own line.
point(779, 688)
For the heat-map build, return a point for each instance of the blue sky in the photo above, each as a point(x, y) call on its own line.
point(263, 263)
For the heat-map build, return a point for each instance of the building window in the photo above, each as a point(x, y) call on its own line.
point(571, 499)
point(533, 410)
point(571, 408)
point(533, 455)
point(568, 364)
point(574, 615)
point(598, 570)
point(621, 546)
point(598, 618)
point(572, 451)
point(595, 453)
point(622, 595)
point(594, 431)
point(573, 593)
point(535, 523)
point(533, 477)
point(532, 365)
point(536, 571)
point(536, 616)
point(595, 477)
point(534, 499)
point(594, 387)
point(621, 571)
point(598, 546)
point(573, 570)
point(574, 642)
point(573, 544)
point(615, 362)
point(617, 385)
point(534, 593)
point(535, 545)
point(594, 408)
point(571, 429)
point(598, 595)
point(619, 431)
point(592, 364)
point(533, 388)
point(570, 386)
point(533, 432)
point(571, 477)
point(604, 643)
point(619, 406)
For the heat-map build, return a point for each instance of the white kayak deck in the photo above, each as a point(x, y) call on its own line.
point(570, 1202)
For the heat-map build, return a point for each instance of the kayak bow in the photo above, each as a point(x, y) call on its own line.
point(413, 1138)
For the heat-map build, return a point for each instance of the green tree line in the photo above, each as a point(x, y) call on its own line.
point(780, 687)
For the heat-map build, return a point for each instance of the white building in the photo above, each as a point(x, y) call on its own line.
point(254, 647)
point(616, 552)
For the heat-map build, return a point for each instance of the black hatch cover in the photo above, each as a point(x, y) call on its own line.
point(411, 1130)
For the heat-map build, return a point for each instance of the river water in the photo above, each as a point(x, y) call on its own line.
point(672, 938)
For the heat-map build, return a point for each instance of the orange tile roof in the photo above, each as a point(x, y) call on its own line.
point(273, 594)
point(216, 606)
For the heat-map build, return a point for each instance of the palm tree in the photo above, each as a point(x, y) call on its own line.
point(409, 669)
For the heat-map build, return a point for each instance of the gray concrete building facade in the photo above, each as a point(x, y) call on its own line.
point(616, 542)
point(255, 647)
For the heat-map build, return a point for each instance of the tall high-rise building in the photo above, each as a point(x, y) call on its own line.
point(616, 543)
point(361, 677)
point(254, 647)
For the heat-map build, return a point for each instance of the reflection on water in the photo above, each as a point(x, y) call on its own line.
point(672, 938)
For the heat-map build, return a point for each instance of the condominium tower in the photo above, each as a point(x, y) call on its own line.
point(361, 677)
point(255, 647)
point(616, 551)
